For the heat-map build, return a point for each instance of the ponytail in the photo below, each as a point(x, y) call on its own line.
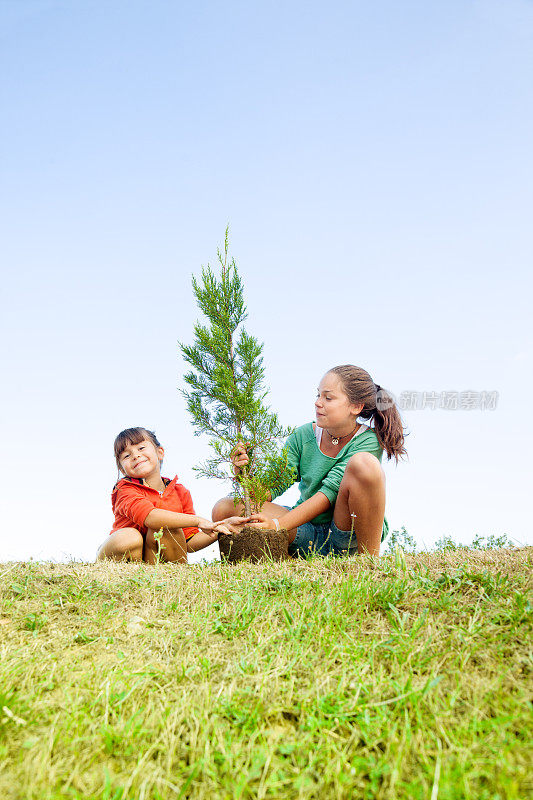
point(379, 408)
point(388, 425)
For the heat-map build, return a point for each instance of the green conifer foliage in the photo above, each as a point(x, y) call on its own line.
point(226, 389)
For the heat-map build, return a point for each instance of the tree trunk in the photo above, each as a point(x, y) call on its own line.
point(247, 503)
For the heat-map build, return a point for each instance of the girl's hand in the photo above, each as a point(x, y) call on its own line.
point(221, 528)
point(214, 528)
point(236, 521)
point(235, 524)
point(239, 458)
point(264, 522)
point(206, 525)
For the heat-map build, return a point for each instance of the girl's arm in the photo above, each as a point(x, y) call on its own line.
point(159, 518)
point(305, 512)
point(201, 540)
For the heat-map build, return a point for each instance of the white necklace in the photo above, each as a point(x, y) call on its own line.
point(336, 439)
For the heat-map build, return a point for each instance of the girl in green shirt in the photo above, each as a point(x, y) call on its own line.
point(336, 461)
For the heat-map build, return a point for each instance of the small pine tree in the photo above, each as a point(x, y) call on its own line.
point(226, 394)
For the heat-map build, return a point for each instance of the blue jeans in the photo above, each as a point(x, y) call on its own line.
point(325, 539)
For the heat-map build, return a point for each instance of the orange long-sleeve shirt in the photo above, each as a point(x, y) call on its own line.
point(132, 501)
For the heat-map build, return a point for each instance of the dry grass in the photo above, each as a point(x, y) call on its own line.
point(320, 679)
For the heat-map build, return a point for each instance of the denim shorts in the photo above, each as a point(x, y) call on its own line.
point(325, 539)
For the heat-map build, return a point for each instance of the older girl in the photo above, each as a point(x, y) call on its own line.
point(336, 460)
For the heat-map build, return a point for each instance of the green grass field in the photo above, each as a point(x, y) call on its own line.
point(407, 678)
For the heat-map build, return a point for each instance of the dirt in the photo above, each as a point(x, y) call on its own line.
point(251, 544)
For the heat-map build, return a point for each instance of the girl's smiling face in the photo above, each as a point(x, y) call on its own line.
point(332, 407)
point(142, 460)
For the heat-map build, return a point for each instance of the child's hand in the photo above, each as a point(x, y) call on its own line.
point(234, 523)
point(264, 522)
point(206, 525)
point(239, 458)
point(221, 528)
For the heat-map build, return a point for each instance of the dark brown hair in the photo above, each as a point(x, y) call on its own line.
point(378, 407)
point(132, 436)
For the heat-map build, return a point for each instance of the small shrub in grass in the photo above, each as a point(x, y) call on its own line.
point(401, 539)
point(491, 542)
point(447, 544)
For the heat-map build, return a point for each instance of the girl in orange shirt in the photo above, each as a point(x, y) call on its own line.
point(152, 514)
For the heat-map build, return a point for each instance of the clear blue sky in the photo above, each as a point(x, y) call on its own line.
point(374, 163)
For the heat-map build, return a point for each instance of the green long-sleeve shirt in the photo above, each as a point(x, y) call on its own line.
point(317, 472)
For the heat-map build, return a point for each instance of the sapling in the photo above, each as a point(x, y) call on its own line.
point(226, 393)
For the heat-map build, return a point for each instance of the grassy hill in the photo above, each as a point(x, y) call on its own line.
point(407, 678)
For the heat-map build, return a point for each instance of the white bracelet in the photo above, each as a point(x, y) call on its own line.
point(276, 523)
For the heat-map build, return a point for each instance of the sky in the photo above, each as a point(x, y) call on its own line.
point(373, 163)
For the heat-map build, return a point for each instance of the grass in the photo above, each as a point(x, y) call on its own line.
point(407, 678)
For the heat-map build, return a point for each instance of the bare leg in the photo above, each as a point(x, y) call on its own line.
point(171, 546)
point(125, 544)
point(225, 508)
point(362, 492)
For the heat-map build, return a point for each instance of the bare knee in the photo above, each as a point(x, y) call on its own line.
point(169, 545)
point(123, 544)
point(365, 469)
point(225, 508)
point(163, 536)
point(130, 546)
point(158, 540)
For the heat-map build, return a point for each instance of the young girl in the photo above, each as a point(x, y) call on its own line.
point(144, 503)
point(337, 462)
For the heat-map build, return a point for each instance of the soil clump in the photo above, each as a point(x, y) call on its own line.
point(251, 544)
